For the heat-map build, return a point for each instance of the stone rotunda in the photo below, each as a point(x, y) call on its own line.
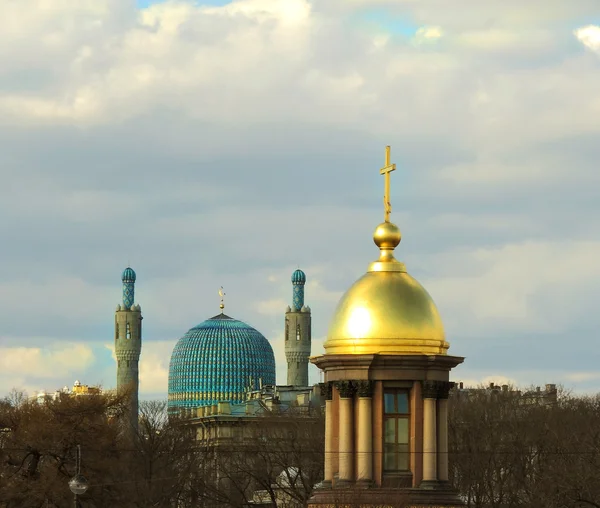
point(386, 371)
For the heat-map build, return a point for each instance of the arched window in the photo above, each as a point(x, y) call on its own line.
point(116, 331)
point(297, 332)
point(128, 331)
point(287, 329)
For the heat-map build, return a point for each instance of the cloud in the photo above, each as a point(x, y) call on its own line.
point(512, 289)
point(428, 35)
point(35, 368)
point(583, 376)
point(223, 146)
point(589, 36)
point(154, 367)
point(45, 363)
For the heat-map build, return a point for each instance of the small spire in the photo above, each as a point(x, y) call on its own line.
point(298, 281)
point(387, 235)
point(386, 170)
point(222, 295)
point(128, 278)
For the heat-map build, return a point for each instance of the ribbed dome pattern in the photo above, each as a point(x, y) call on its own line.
point(217, 361)
point(128, 275)
point(298, 277)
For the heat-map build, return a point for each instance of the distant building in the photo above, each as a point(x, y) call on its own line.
point(83, 390)
point(270, 434)
point(78, 390)
point(546, 396)
point(222, 383)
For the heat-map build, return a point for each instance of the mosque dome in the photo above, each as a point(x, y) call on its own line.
point(128, 275)
point(298, 277)
point(386, 311)
point(217, 361)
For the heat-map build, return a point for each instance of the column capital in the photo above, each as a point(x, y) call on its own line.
point(364, 388)
point(429, 389)
point(326, 390)
point(444, 388)
point(346, 389)
point(436, 389)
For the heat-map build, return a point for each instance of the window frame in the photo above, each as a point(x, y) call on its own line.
point(396, 415)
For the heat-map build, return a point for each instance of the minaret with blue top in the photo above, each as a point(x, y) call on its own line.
point(297, 333)
point(128, 343)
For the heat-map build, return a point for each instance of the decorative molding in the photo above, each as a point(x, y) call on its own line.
point(444, 388)
point(365, 388)
point(326, 390)
point(346, 389)
point(297, 356)
point(127, 355)
point(430, 389)
point(436, 389)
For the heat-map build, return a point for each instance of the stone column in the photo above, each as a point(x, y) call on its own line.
point(442, 430)
point(327, 392)
point(429, 391)
point(365, 431)
point(346, 436)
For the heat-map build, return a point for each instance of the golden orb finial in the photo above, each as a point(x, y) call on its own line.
point(222, 295)
point(387, 235)
point(386, 311)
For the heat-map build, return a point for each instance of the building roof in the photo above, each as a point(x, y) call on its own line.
point(219, 360)
point(128, 275)
point(386, 311)
point(298, 277)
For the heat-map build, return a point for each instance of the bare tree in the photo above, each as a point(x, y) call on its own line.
point(157, 466)
point(164, 462)
point(38, 447)
point(277, 458)
point(512, 448)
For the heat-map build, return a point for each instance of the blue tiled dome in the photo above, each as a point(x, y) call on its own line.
point(217, 361)
point(298, 277)
point(128, 275)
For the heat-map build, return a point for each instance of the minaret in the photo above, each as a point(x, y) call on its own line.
point(297, 334)
point(128, 343)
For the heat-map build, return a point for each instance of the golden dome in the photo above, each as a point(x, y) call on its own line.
point(386, 311)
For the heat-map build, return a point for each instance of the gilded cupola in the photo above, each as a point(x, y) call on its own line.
point(386, 311)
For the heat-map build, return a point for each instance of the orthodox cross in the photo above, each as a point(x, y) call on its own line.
point(386, 170)
point(222, 295)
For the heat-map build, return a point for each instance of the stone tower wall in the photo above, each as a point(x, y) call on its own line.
point(297, 346)
point(128, 346)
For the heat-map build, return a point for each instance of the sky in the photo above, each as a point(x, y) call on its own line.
point(226, 144)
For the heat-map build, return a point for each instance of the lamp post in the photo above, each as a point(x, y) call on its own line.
point(78, 484)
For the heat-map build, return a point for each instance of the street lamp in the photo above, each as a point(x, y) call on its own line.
point(78, 484)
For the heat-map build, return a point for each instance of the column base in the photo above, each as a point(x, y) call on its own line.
point(435, 485)
point(377, 497)
point(343, 484)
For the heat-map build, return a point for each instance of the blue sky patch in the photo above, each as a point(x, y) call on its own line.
point(383, 20)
